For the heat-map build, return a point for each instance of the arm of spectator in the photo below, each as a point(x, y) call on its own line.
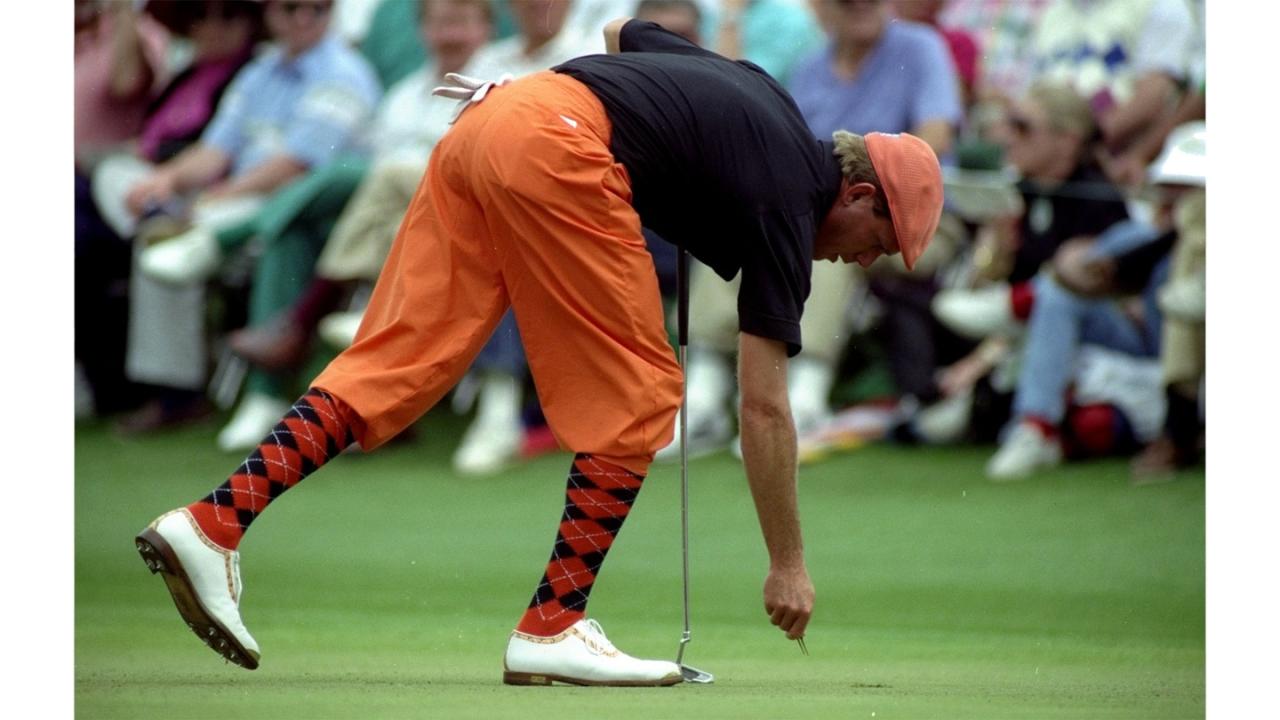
point(263, 179)
point(729, 37)
point(962, 375)
point(935, 107)
point(1082, 271)
point(1129, 168)
point(1152, 96)
point(612, 35)
point(938, 133)
point(131, 71)
point(769, 458)
point(193, 168)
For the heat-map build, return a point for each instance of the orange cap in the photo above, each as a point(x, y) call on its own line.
point(912, 181)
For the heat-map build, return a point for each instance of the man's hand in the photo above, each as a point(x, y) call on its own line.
point(788, 599)
point(157, 187)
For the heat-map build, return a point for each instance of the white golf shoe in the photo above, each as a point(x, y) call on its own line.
point(204, 580)
point(581, 655)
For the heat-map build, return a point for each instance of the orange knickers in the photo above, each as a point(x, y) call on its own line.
point(524, 206)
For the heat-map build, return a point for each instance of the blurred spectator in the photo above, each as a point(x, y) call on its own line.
point(1182, 300)
point(1128, 57)
point(1004, 31)
point(964, 47)
point(875, 74)
point(291, 109)
point(682, 17)
point(1090, 381)
point(220, 36)
point(545, 38)
point(1048, 141)
point(348, 214)
point(774, 34)
point(119, 63)
point(1128, 166)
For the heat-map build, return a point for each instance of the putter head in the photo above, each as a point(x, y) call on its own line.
point(694, 675)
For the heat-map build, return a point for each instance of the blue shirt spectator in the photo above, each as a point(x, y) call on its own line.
point(311, 107)
point(907, 80)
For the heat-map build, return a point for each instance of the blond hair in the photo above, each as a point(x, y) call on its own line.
point(1065, 109)
point(855, 165)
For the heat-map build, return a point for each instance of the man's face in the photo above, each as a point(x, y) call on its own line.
point(857, 22)
point(853, 230)
point(298, 24)
point(1034, 146)
point(677, 20)
point(454, 30)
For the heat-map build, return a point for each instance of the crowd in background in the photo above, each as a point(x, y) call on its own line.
point(242, 168)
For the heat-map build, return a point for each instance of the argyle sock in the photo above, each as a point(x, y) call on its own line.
point(312, 432)
point(597, 499)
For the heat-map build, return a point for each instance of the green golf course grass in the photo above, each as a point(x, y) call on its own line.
point(385, 587)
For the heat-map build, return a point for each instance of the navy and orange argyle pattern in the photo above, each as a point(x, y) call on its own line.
point(598, 498)
point(311, 433)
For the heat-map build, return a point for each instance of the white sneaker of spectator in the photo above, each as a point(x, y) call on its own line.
point(256, 416)
point(494, 437)
point(339, 329)
point(976, 314)
point(1024, 450)
point(190, 257)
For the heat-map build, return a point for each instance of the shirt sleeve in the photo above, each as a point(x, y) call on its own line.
point(937, 95)
point(645, 36)
point(226, 130)
point(1167, 41)
point(328, 115)
point(776, 273)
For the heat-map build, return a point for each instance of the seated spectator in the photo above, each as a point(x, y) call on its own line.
point(1129, 58)
point(1048, 142)
point(1107, 294)
point(119, 64)
point(874, 74)
point(221, 37)
point(1182, 301)
point(290, 110)
point(682, 17)
point(774, 34)
point(963, 45)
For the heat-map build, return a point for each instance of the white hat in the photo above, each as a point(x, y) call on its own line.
point(1183, 160)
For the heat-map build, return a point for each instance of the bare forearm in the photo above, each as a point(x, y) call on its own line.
point(937, 133)
point(196, 167)
point(130, 73)
point(769, 457)
point(266, 178)
point(1151, 98)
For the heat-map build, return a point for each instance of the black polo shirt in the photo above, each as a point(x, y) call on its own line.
point(721, 163)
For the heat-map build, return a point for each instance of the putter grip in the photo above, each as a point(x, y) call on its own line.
point(682, 294)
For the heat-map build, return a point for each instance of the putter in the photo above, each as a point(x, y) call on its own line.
point(690, 674)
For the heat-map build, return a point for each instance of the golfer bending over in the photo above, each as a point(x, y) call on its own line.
point(535, 199)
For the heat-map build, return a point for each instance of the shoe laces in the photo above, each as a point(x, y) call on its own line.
point(235, 576)
point(595, 638)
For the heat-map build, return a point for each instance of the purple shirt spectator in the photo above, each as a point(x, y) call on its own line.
point(908, 79)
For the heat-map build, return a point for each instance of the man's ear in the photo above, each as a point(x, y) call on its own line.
point(858, 190)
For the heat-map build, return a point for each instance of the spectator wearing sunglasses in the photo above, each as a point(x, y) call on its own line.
point(1048, 139)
